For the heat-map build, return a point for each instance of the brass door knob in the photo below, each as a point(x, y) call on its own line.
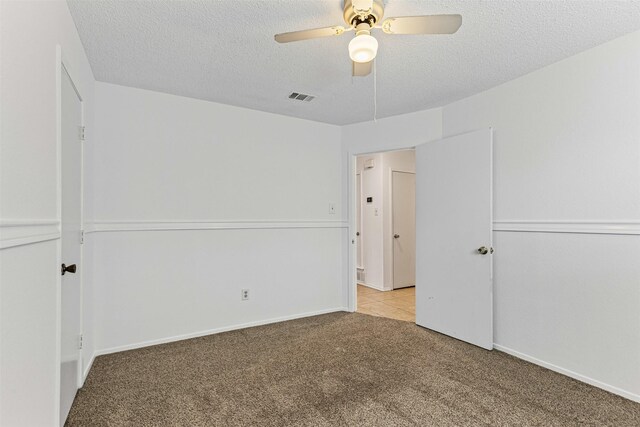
point(482, 250)
point(395, 236)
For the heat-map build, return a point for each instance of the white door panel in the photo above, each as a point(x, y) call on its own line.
point(403, 194)
point(454, 218)
point(71, 174)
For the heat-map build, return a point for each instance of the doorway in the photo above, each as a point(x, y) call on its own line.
point(71, 136)
point(453, 236)
point(385, 234)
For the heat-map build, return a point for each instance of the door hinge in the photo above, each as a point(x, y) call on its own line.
point(82, 237)
point(80, 342)
point(81, 132)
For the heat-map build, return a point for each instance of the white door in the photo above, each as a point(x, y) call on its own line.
point(403, 200)
point(454, 293)
point(359, 220)
point(71, 175)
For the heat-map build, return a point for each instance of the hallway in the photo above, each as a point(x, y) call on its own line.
point(399, 304)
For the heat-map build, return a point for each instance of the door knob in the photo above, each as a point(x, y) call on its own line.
point(357, 233)
point(68, 268)
point(482, 250)
point(395, 236)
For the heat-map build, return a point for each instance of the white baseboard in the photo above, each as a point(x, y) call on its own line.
point(371, 286)
point(612, 389)
point(214, 331)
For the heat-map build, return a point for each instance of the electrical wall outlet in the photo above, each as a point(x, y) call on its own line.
point(245, 294)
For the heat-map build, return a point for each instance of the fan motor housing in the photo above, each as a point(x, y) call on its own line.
point(352, 18)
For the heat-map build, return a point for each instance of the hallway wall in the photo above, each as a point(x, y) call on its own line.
point(377, 218)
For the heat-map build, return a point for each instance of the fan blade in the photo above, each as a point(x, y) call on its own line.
point(295, 36)
point(428, 24)
point(361, 69)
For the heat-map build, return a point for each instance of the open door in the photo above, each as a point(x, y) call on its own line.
point(454, 290)
point(70, 298)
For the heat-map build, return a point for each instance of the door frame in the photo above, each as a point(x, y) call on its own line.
point(64, 66)
point(360, 259)
point(393, 260)
point(351, 249)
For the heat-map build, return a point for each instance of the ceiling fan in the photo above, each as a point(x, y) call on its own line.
point(362, 16)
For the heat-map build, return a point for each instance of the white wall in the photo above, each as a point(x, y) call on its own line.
point(178, 284)
point(166, 157)
point(393, 133)
point(255, 186)
point(29, 211)
point(377, 220)
point(567, 151)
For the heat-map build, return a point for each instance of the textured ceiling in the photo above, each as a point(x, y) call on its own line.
point(224, 51)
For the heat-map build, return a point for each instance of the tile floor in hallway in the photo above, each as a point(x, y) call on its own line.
point(398, 304)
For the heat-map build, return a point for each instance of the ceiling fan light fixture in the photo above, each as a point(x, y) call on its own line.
point(362, 16)
point(363, 48)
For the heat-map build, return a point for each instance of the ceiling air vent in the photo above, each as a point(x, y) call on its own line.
point(301, 97)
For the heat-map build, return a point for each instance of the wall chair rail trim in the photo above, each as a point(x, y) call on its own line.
point(627, 227)
point(15, 232)
point(113, 226)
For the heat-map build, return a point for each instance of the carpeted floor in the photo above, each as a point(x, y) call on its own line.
point(335, 370)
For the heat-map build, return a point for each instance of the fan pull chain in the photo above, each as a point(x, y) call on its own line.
point(375, 93)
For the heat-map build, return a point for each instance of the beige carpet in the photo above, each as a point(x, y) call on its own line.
point(335, 370)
